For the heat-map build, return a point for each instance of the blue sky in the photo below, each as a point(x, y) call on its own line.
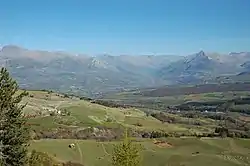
point(127, 26)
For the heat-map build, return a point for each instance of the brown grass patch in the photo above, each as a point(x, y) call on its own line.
point(245, 118)
point(162, 144)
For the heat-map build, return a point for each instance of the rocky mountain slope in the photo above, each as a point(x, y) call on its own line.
point(94, 75)
point(205, 67)
point(90, 75)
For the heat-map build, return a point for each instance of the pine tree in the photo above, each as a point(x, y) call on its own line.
point(126, 153)
point(14, 134)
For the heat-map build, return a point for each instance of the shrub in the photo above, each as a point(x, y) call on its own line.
point(66, 96)
point(41, 159)
point(53, 113)
point(69, 163)
point(138, 124)
point(222, 131)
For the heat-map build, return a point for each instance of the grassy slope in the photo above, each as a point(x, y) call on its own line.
point(84, 114)
point(211, 151)
point(215, 152)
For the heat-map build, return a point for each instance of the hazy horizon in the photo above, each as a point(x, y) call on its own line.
point(102, 54)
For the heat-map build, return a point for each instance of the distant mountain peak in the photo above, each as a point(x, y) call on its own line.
point(239, 54)
point(198, 57)
point(201, 53)
point(10, 48)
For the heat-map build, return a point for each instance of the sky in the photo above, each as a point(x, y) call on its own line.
point(133, 27)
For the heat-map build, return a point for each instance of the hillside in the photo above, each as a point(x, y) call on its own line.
point(55, 114)
point(51, 111)
point(58, 120)
point(97, 75)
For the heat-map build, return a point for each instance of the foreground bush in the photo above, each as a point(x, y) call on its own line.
point(42, 159)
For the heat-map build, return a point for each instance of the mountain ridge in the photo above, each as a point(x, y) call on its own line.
point(95, 75)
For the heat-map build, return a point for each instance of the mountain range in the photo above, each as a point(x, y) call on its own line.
point(94, 75)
